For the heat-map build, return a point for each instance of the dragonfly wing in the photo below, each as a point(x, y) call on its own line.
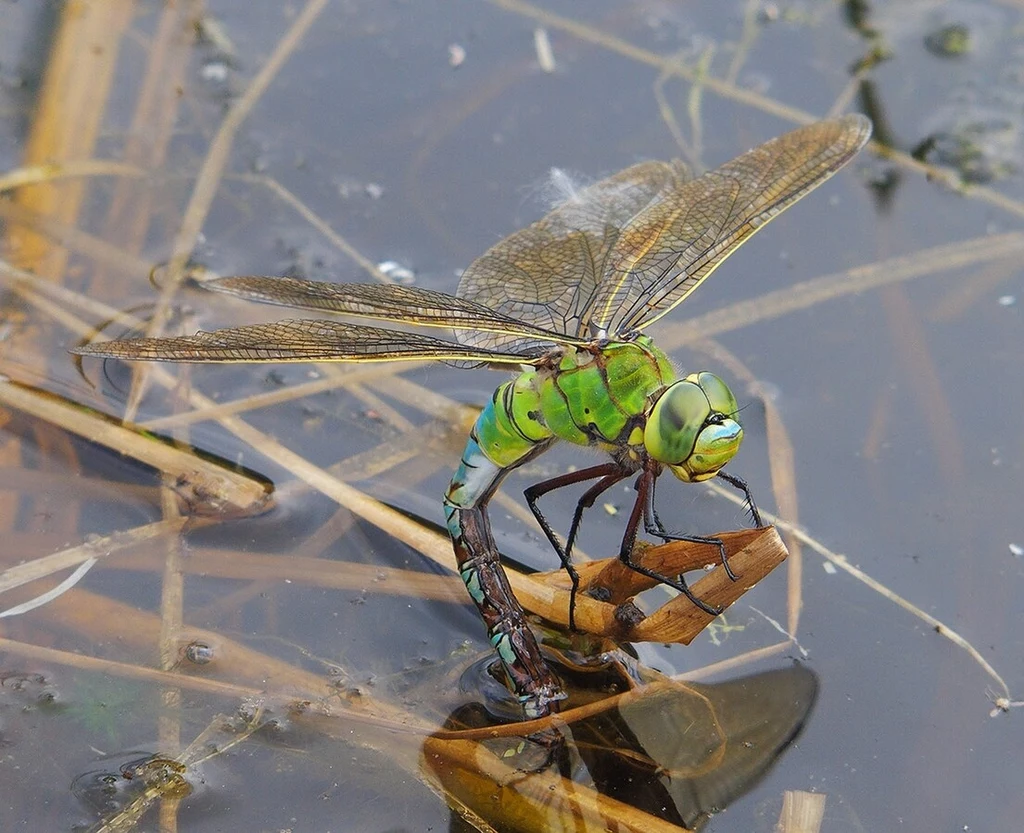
point(549, 273)
point(670, 247)
point(298, 341)
point(407, 304)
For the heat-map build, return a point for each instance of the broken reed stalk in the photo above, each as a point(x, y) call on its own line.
point(752, 554)
point(203, 485)
point(802, 812)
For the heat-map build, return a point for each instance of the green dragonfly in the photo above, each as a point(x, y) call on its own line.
point(564, 303)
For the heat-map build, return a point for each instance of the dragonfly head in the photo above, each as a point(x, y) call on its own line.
point(692, 428)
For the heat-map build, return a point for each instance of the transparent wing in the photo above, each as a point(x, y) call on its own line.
point(549, 273)
point(408, 304)
point(670, 247)
point(298, 341)
point(628, 249)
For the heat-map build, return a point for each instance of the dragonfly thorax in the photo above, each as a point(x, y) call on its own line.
point(692, 428)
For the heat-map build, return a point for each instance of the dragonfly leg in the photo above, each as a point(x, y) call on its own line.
point(642, 510)
point(654, 526)
point(741, 485)
point(610, 474)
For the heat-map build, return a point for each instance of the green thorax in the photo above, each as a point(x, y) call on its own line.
point(623, 397)
point(601, 398)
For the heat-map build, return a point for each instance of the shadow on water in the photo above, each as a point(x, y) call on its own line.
point(668, 752)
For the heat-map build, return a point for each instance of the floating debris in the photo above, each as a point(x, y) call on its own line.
point(349, 188)
point(545, 56)
point(1016, 550)
point(1007, 300)
point(456, 55)
point(982, 146)
point(214, 72)
point(951, 41)
point(199, 653)
point(397, 272)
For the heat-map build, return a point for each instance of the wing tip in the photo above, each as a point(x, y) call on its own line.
point(859, 127)
point(125, 350)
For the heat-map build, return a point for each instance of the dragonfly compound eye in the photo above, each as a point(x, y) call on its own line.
point(692, 427)
point(719, 396)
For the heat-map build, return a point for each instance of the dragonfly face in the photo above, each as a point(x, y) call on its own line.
point(692, 428)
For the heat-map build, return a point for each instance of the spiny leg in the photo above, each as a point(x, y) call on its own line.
point(585, 502)
point(654, 526)
point(538, 490)
point(741, 485)
point(644, 488)
point(606, 471)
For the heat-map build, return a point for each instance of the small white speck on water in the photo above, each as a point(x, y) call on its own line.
point(456, 55)
point(545, 54)
point(1016, 550)
point(829, 568)
point(214, 72)
point(1007, 300)
point(397, 272)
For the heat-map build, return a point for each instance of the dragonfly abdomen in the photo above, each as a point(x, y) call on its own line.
point(508, 432)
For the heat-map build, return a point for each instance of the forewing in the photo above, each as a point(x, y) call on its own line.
point(671, 247)
point(390, 302)
point(297, 341)
point(548, 274)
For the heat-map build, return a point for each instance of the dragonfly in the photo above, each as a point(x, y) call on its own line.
point(565, 304)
